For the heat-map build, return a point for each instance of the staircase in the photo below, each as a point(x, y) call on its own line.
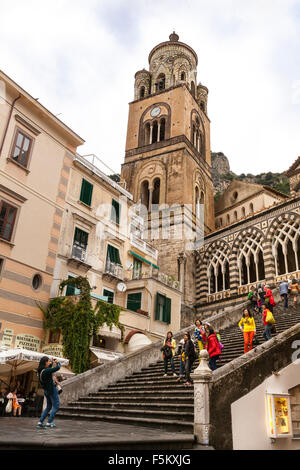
point(147, 398)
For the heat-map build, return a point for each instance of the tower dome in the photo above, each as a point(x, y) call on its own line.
point(171, 63)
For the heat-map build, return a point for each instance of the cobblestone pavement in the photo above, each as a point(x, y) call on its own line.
point(21, 433)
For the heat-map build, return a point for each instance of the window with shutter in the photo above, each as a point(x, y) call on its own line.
point(7, 219)
point(113, 255)
point(86, 192)
point(81, 238)
point(134, 301)
point(110, 294)
point(115, 211)
point(163, 308)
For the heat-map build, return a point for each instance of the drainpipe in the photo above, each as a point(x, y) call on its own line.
point(8, 121)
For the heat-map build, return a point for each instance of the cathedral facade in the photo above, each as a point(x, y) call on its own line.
point(250, 236)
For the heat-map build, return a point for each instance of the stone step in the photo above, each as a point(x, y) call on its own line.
point(140, 412)
point(189, 390)
point(182, 399)
point(166, 424)
point(162, 406)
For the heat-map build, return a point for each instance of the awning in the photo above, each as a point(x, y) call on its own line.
point(143, 259)
point(114, 332)
point(18, 361)
point(103, 355)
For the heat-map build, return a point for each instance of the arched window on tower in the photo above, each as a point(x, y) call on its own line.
point(154, 132)
point(243, 212)
point(182, 76)
point(193, 88)
point(202, 106)
point(147, 134)
point(162, 129)
point(156, 191)
point(145, 194)
point(228, 219)
point(161, 82)
point(235, 215)
point(251, 208)
point(142, 92)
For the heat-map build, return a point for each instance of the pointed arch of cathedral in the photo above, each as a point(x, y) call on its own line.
point(150, 184)
point(154, 129)
point(248, 258)
point(213, 269)
point(198, 133)
point(283, 244)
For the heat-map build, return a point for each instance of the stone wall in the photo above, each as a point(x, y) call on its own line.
point(242, 375)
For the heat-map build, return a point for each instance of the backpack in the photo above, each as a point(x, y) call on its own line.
point(250, 295)
point(166, 351)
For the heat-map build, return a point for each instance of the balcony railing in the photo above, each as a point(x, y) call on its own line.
point(78, 253)
point(144, 246)
point(114, 269)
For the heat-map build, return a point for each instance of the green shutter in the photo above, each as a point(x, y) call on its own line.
point(110, 295)
point(157, 307)
point(113, 255)
point(81, 237)
point(115, 211)
point(167, 311)
point(134, 301)
point(86, 192)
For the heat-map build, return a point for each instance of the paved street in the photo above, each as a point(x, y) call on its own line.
point(21, 433)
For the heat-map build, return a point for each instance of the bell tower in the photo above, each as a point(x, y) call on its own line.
point(167, 156)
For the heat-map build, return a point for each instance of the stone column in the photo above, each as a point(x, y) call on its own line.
point(202, 377)
point(182, 261)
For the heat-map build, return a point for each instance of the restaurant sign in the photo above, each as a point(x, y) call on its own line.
point(7, 337)
point(53, 350)
point(30, 342)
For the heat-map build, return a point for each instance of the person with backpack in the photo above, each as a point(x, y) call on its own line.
point(189, 357)
point(168, 351)
point(212, 346)
point(294, 291)
point(46, 370)
point(180, 354)
point(247, 326)
point(269, 321)
point(269, 299)
point(260, 297)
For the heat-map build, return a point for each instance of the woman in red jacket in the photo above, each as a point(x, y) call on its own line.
point(212, 346)
point(269, 299)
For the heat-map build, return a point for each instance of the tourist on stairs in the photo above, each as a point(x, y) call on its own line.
point(247, 326)
point(168, 350)
point(295, 291)
point(269, 299)
point(189, 357)
point(284, 292)
point(213, 347)
point(199, 331)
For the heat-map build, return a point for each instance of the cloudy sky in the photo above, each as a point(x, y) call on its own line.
point(79, 58)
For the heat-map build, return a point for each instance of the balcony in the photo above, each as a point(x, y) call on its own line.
point(143, 246)
point(78, 258)
point(114, 270)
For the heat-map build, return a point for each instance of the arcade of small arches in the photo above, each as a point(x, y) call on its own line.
point(246, 262)
point(155, 131)
point(237, 215)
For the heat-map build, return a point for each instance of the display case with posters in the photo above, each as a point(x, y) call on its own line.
point(279, 415)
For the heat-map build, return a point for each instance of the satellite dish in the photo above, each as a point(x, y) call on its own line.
point(121, 287)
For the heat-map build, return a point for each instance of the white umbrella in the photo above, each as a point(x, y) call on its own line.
point(18, 361)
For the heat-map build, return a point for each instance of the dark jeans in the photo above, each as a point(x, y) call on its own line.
point(166, 360)
point(285, 300)
point(52, 404)
point(267, 332)
point(181, 367)
point(213, 362)
point(188, 364)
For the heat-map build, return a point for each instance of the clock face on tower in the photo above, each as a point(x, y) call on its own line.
point(155, 111)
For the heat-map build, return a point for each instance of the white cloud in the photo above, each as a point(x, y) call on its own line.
point(79, 58)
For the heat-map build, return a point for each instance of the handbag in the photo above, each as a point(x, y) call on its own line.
point(8, 408)
point(59, 389)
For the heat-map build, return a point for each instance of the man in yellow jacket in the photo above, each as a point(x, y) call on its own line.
point(247, 326)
